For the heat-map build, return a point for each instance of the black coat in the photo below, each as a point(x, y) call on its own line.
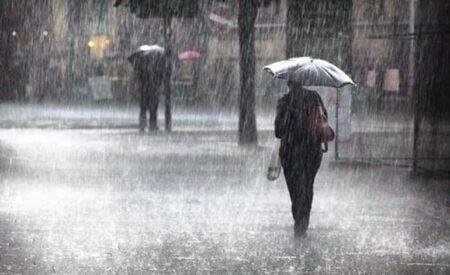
point(291, 126)
point(150, 69)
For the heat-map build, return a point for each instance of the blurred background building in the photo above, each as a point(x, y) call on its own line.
point(50, 49)
point(397, 46)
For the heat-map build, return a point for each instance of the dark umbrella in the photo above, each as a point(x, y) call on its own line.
point(147, 57)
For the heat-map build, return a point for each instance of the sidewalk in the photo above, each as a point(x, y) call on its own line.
point(376, 138)
point(92, 116)
point(113, 201)
point(110, 200)
point(389, 122)
point(389, 139)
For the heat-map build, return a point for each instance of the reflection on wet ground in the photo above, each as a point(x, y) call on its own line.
point(113, 201)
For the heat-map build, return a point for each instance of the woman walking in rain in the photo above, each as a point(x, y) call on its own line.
point(300, 149)
point(301, 125)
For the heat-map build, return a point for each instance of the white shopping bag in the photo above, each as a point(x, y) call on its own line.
point(274, 169)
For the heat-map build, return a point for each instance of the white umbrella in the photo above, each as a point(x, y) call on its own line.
point(308, 71)
point(150, 48)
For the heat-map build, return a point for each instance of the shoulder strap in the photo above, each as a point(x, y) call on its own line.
point(322, 106)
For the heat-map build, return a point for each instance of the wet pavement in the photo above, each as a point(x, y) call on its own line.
point(107, 200)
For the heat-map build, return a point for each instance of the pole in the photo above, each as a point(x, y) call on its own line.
point(167, 91)
point(412, 47)
point(411, 81)
point(417, 120)
point(7, 52)
point(336, 142)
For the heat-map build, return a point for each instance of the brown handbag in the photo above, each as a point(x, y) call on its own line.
point(318, 125)
point(326, 132)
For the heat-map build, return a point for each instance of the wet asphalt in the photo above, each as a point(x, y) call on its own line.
point(113, 201)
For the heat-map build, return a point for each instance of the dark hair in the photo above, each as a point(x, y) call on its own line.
point(294, 85)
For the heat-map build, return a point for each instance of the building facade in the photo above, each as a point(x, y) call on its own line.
point(395, 44)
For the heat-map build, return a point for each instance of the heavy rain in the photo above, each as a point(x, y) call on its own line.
point(179, 137)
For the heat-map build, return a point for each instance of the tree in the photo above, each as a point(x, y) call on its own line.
point(170, 8)
point(248, 10)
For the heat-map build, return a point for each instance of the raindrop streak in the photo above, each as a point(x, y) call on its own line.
point(84, 191)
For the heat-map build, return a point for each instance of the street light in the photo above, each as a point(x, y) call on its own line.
point(45, 33)
point(91, 44)
point(14, 33)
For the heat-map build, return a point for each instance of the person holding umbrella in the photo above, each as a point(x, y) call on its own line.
point(301, 125)
point(150, 64)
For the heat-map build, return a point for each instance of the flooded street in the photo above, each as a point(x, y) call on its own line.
point(112, 201)
point(136, 137)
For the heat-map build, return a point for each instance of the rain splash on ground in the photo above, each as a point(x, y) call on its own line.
point(112, 201)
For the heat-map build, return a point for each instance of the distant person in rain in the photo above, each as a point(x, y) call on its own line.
point(300, 150)
point(150, 70)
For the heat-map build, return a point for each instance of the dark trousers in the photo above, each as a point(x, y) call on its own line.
point(149, 102)
point(300, 171)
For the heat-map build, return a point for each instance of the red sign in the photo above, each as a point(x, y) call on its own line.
point(221, 19)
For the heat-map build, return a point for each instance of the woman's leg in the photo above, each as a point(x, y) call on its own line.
point(295, 181)
point(143, 110)
point(153, 108)
point(300, 175)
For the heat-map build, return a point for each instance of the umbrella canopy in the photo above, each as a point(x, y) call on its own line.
point(188, 55)
point(148, 49)
point(308, 71)
point(147, 56)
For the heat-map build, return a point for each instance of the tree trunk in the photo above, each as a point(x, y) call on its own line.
point(248, 10)
point(320, 29)
point(293, 21)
